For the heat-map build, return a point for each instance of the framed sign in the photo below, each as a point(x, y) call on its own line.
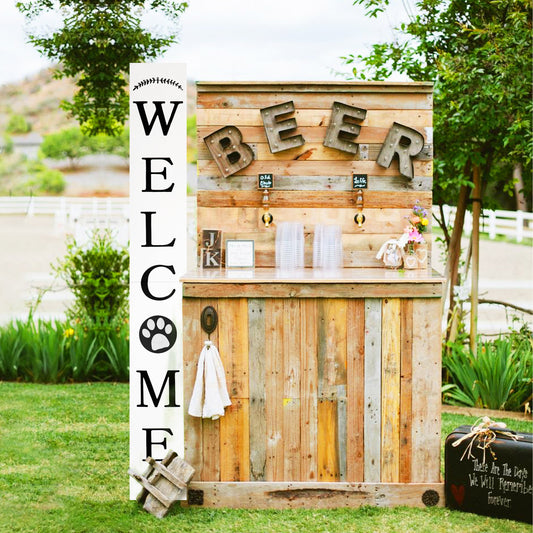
point(240, 254)
point(360, 181)
point(265, 181)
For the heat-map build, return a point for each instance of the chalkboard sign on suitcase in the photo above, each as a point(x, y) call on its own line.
point(495, 481)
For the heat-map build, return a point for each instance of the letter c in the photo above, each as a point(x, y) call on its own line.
point(144, 283)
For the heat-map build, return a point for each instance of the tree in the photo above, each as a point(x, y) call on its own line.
point(478, 54)
point(68, 144)
point(95, 45)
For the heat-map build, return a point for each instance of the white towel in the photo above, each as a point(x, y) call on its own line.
point(210, 395)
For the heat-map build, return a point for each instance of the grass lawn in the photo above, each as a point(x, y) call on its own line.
point(64, 462)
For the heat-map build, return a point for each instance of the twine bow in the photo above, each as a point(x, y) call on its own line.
point(484, 431)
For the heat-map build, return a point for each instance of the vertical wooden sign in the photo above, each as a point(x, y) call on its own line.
point(158, 204)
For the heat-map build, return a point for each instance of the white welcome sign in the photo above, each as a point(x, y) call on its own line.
point(158, 245)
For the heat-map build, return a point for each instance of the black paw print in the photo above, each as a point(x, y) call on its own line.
point(158, 334)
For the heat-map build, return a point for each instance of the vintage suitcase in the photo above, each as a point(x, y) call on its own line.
point(489, 472)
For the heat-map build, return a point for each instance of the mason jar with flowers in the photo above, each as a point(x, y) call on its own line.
point(415, 248)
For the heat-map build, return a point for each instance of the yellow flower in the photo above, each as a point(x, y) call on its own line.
point(68, 332)
point(424, 221)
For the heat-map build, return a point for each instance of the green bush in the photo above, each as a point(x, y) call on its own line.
point(18, 124)
point(499, 376)
point(58, 352)
point(68, 144)
point(44, 179)
point(98, 276)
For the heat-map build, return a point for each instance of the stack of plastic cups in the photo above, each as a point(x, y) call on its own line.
point(327, 247)
point(289, 245)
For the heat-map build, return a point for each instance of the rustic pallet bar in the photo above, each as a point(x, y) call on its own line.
point(334, 377)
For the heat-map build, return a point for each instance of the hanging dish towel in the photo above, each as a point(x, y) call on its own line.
point(210, 395)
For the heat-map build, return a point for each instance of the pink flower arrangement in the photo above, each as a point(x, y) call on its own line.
point(418, 224)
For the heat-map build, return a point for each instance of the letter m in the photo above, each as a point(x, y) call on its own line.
point(170, 378)
point(159, 115)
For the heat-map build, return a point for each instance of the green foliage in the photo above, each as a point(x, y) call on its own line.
point(478, 54)
point(7, 146)
point(18, 124)
point(98, 276)
point(68, 144)
point(499, 376)
point(95, 45)
point(57, 352)
point(44, 179)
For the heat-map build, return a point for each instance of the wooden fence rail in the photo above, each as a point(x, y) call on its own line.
point(515, 224)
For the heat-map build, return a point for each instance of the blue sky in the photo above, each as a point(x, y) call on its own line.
point(240, 39)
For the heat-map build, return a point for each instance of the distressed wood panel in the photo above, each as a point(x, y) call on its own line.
point(319, 168)
point(368, 100)
point(192, 346)
point(256, 353)
point(375, 118)
point(314, 290)
point(248, 219)
point(315, 87)
point(426, 385)
point(256, 134)
point(316, 183)
point(406, 412)
point(372, 427)
point(235, 442)
point(309, 389)
point(315, 152)
point(314, 199)
point(291, 354)
point(307, 495)
point(390, 390)
point(355, 379)
point(274, 386)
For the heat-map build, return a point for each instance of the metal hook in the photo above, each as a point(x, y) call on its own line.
point(209, 320)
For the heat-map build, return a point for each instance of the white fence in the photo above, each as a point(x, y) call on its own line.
point(514, 224)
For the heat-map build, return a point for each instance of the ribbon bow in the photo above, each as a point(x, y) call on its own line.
point(484, 431)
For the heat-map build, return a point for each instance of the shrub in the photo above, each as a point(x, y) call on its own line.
point(68, 144)
point(46, 180)
point(500, 376)
point(18, 124)
point(98, 276)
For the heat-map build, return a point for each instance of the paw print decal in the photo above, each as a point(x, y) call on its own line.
point(158, 334)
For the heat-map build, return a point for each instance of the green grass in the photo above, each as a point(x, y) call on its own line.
point(64, 462)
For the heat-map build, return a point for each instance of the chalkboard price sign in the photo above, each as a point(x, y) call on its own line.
point(265, 181)
point(360, 181)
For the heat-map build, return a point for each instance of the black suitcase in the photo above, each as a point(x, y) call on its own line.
point(493, 479)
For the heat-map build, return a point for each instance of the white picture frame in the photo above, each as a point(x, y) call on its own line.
point(240, 253)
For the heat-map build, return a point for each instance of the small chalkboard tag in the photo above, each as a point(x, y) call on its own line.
point(360, 181)
point(265, 181)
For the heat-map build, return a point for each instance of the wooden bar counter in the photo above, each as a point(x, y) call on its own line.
point(334, 380)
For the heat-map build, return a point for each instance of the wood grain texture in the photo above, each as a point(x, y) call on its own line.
point(305, 495)
point(318, 168)
point(316, 152)
point(355, 378)
point(426, 382)
point(274, 386)
point(314, 100)
point(315, 199)
point(372, 428)
point(390, 390)
point(375, 118)
point(309, 389)
point(316, 183)
point(256, 353)
point(406, 373)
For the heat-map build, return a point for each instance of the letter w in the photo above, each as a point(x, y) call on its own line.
point(159, 114)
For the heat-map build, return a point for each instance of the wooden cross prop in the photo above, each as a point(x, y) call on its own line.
point(163, 483)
